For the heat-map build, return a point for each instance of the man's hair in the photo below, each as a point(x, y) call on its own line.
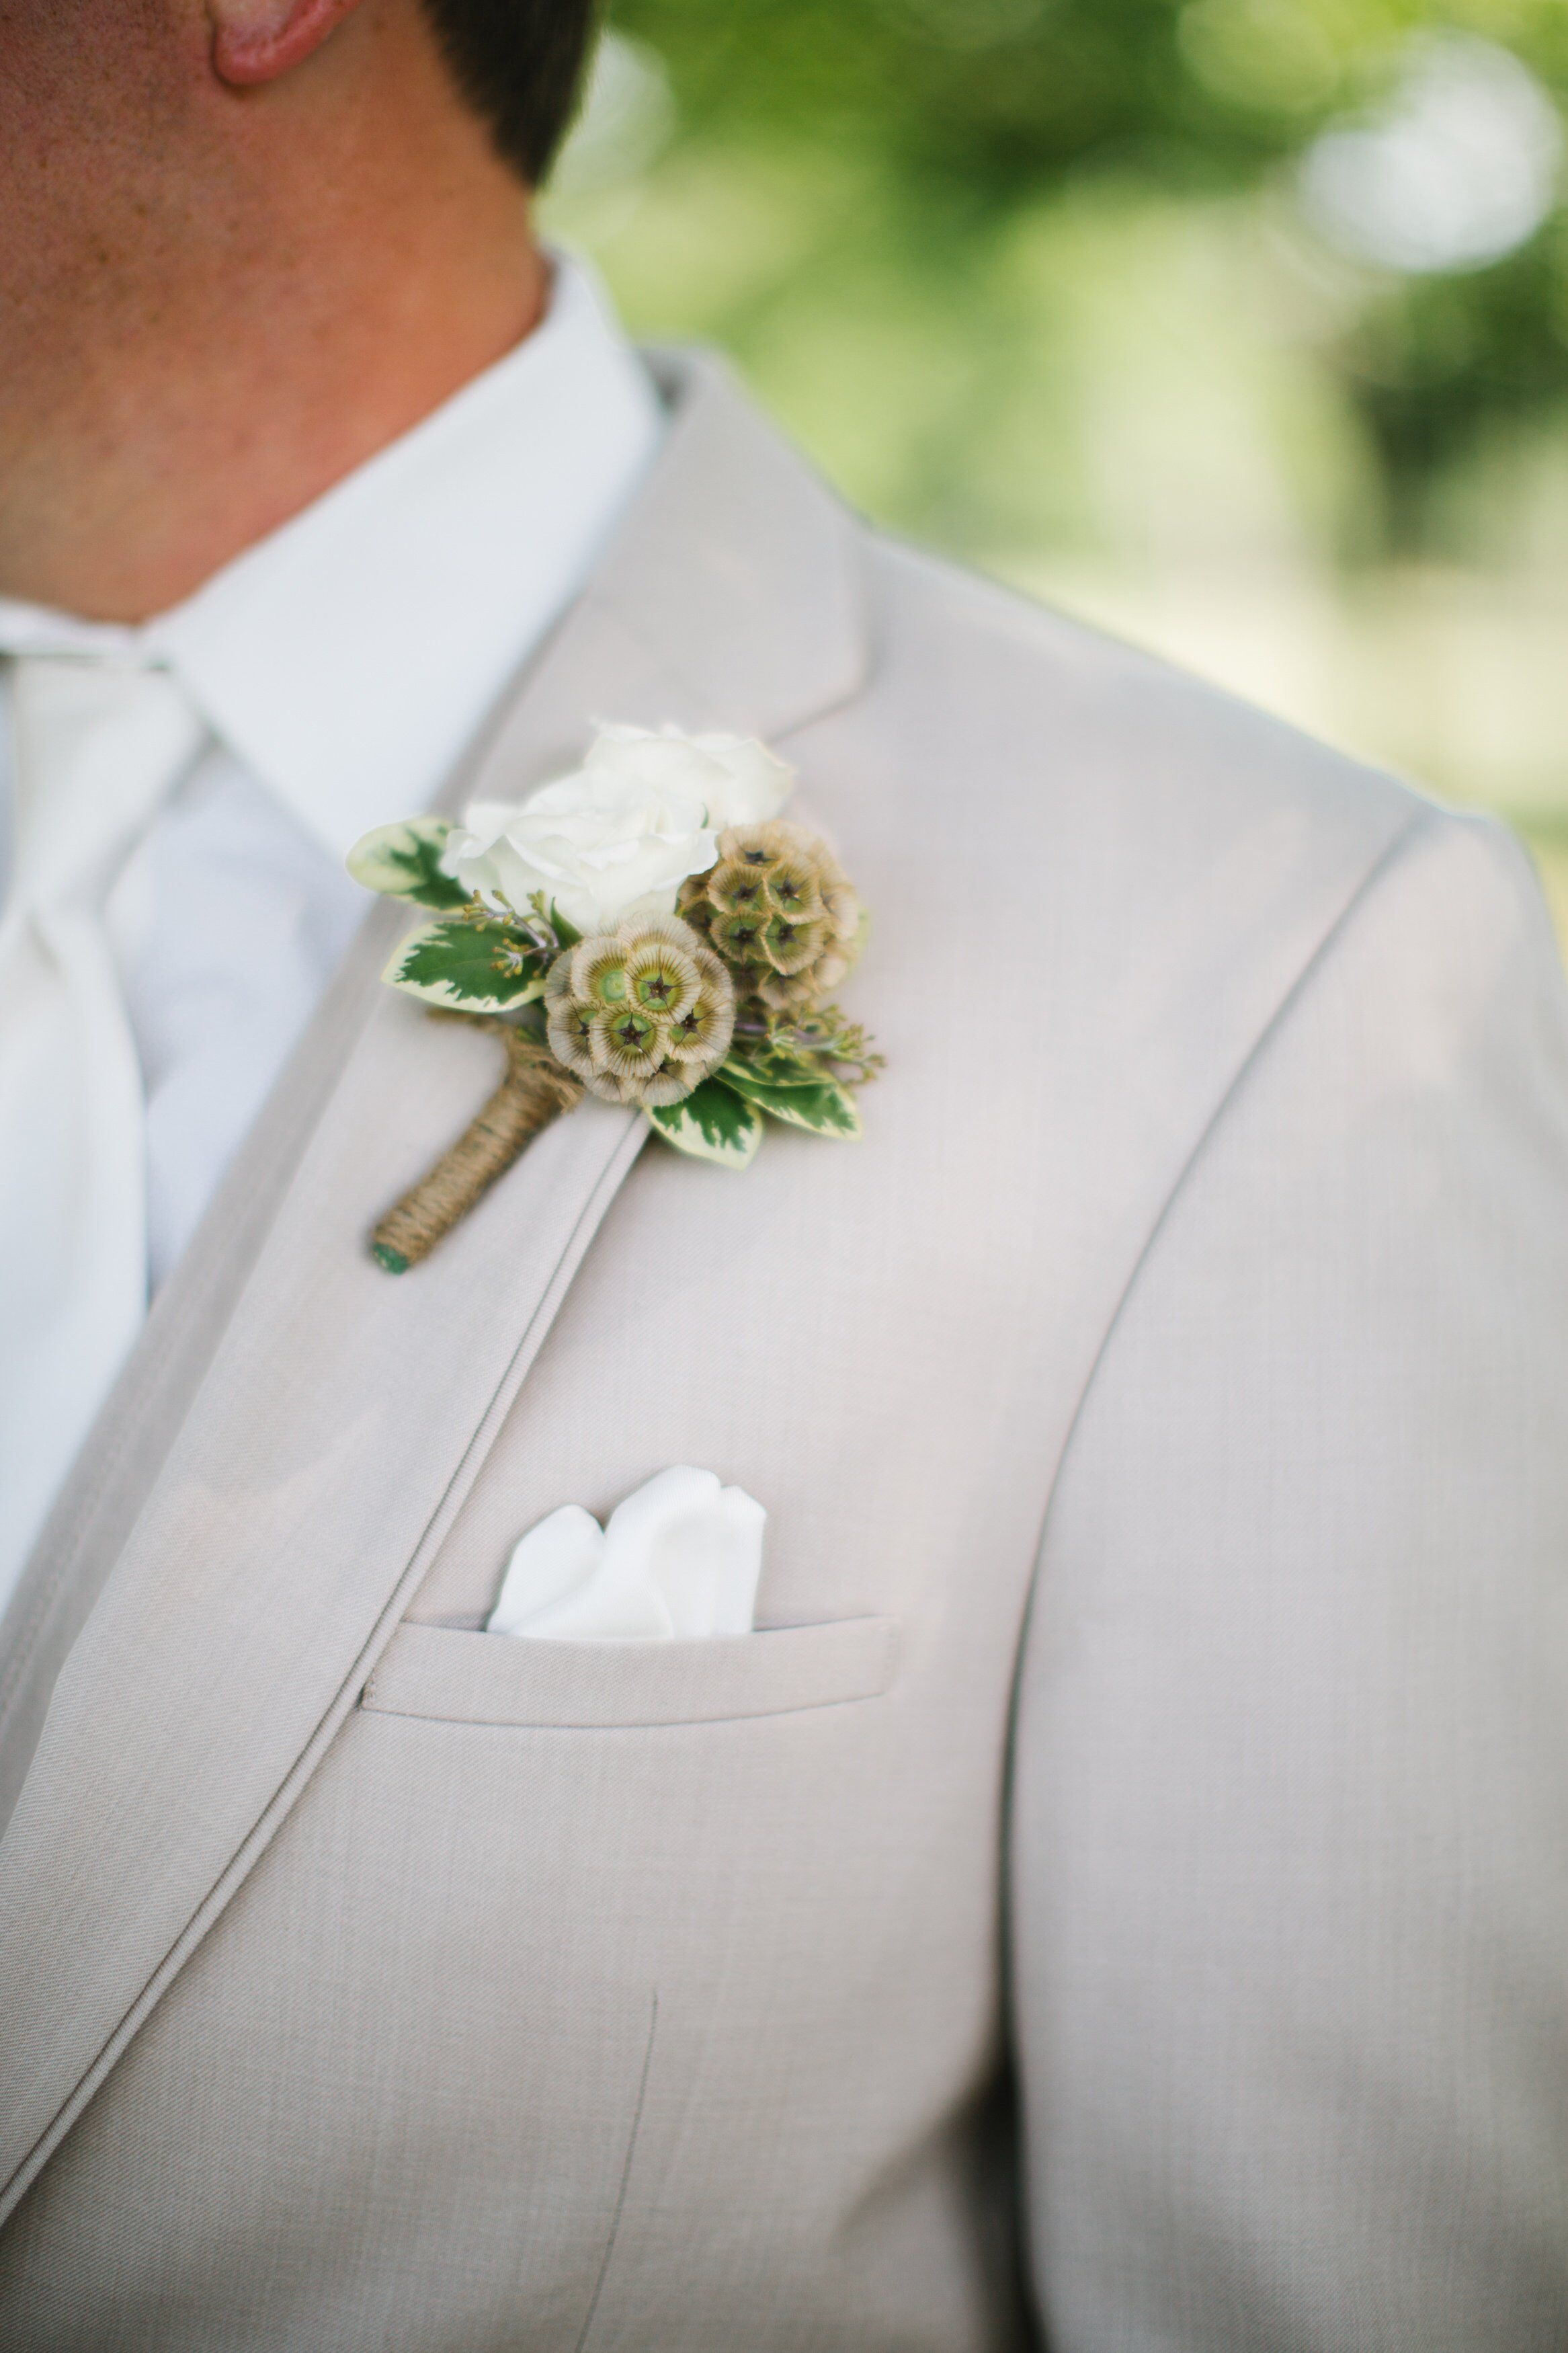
point(519, 63)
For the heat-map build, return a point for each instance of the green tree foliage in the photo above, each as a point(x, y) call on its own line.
point(962, 116)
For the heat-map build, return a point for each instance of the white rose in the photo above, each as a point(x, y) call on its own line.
point(620, 836)
point(738, 780)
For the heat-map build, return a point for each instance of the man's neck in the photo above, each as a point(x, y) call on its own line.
point(187, 367)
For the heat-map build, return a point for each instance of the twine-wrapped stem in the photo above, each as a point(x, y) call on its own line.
point(534, 1090)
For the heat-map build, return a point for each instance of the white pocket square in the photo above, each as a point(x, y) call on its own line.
point(680, 1558)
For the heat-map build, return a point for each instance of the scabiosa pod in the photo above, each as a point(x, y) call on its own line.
point(780, 911)
point(642, 1014)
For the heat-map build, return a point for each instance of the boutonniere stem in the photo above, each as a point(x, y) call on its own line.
point(646, 931)
point(534, 1091)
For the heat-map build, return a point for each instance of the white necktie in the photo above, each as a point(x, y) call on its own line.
point(98, 745)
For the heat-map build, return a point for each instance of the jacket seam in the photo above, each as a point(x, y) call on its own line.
point(1418, 823)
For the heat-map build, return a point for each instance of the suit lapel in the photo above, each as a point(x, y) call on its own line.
point(119, 1463)
point(341, 1416)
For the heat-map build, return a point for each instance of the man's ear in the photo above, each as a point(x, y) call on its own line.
point(259, 40)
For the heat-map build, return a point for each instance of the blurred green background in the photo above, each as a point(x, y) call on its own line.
point(1238, 326)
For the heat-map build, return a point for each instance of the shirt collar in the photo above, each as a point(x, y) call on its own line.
point(347, 658)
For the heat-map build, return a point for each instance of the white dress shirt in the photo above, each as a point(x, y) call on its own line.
point(338, 669)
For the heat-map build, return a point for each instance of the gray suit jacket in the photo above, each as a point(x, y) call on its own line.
point(1122, 1899)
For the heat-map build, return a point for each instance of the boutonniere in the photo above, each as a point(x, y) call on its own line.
point(647, 930)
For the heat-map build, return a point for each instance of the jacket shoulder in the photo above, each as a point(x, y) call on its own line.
point(1148, 864)
point(1082, 733)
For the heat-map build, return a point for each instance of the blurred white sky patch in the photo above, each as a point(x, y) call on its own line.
point(1458, 168)
point(627, 119)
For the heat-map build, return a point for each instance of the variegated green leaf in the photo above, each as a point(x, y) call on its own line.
point(773, 1065)
point(462, 965)
point(712, 1123)
point(404, 861)
point(824, 1107)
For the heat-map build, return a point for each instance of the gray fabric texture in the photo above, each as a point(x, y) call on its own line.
point(1125, 1906)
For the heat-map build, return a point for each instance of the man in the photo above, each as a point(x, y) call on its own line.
point(1126, 1907)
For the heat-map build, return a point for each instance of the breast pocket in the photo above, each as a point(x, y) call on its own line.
point(452, 1675)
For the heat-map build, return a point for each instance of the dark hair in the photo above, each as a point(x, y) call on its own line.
point(519, 63)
